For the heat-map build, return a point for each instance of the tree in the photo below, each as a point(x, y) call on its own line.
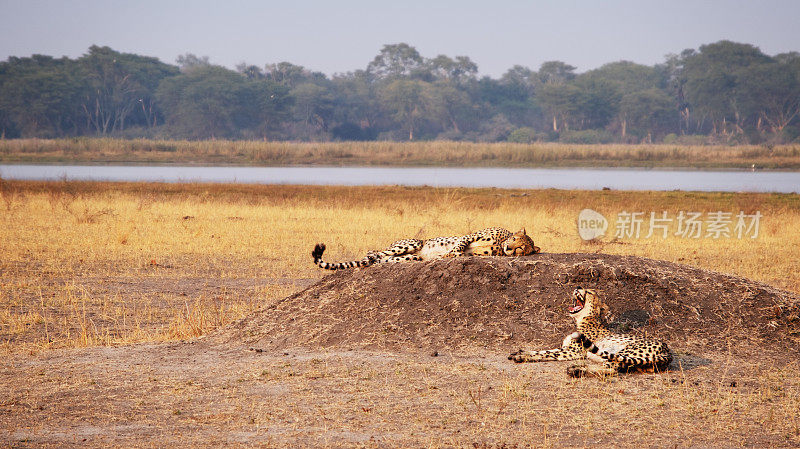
point(200, 103)
point(630, 76)
point(496, 129)
point(190, 62)
point(562, 102)
point(39, 96)
point(522, 79)
point(556, 72)
point(510, 96)
point(613, 83)
point(212, 101)
point(554, 95)
point(672, 71)
point(405, 100)
point(119, 84)
point(772, 92)
point(290, 75)
point(251, 72)
point(313, 104)
point(396, 61)
point(356, 100)
point(447, 104)
point(455, 71)
point(648, 113)
point(712, 82)
point(261, 108)
point(598, 102)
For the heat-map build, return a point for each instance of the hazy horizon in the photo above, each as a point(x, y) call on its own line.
point(345, 36)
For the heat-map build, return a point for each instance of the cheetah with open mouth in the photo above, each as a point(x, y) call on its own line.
point(614, 353)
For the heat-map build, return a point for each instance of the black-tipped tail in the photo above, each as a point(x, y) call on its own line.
point(319, 248)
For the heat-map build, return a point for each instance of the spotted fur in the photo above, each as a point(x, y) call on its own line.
point(614, 353)
point(486, 242)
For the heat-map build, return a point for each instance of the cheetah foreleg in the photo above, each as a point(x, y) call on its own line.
point(462, 245)
point(396, 249)
point(570, 349)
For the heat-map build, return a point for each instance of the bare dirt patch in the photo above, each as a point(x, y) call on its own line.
point(413, 355)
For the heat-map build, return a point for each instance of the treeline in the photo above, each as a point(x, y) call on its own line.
point(724, 92)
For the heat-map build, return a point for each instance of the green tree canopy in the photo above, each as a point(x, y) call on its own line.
point(212, 101)
point(405, 101)
point(40, 97)
point(396, 61)
point(730, 91)
point(713, 78)
point(118, 85)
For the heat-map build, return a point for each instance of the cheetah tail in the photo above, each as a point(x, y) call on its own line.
point(319, 248)
point(317, 255)
point(589, 346)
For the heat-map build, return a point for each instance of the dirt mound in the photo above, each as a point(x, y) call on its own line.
point(506, 303)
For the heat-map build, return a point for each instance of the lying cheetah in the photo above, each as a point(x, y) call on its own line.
point(486, 242)
point(614, 352)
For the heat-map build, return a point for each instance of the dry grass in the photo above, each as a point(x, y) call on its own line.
point(92, 263)
point(362, 399)
point(85, 264)
point(438, 153)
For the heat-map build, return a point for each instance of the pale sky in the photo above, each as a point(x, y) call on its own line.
point(336, 36)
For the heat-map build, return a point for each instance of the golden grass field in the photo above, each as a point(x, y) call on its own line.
point(69, 248)
point(435, 153)
point(111, 264)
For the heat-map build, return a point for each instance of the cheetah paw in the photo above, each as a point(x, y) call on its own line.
point(519, 356)
point(576, 371)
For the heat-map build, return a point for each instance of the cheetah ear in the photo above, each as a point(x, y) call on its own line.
point(523, 231)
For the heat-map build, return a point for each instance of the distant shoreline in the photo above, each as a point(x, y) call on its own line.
point(104, 151)
point(179, 164)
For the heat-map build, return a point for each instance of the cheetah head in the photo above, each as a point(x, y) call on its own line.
point(519, 244)
point(586, 303)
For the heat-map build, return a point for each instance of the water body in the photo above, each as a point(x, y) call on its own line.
point(530, 178)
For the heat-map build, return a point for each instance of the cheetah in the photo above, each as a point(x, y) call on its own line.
point(615, 353)
point(486, 242)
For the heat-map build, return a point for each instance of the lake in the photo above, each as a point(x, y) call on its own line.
point(528, 178)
